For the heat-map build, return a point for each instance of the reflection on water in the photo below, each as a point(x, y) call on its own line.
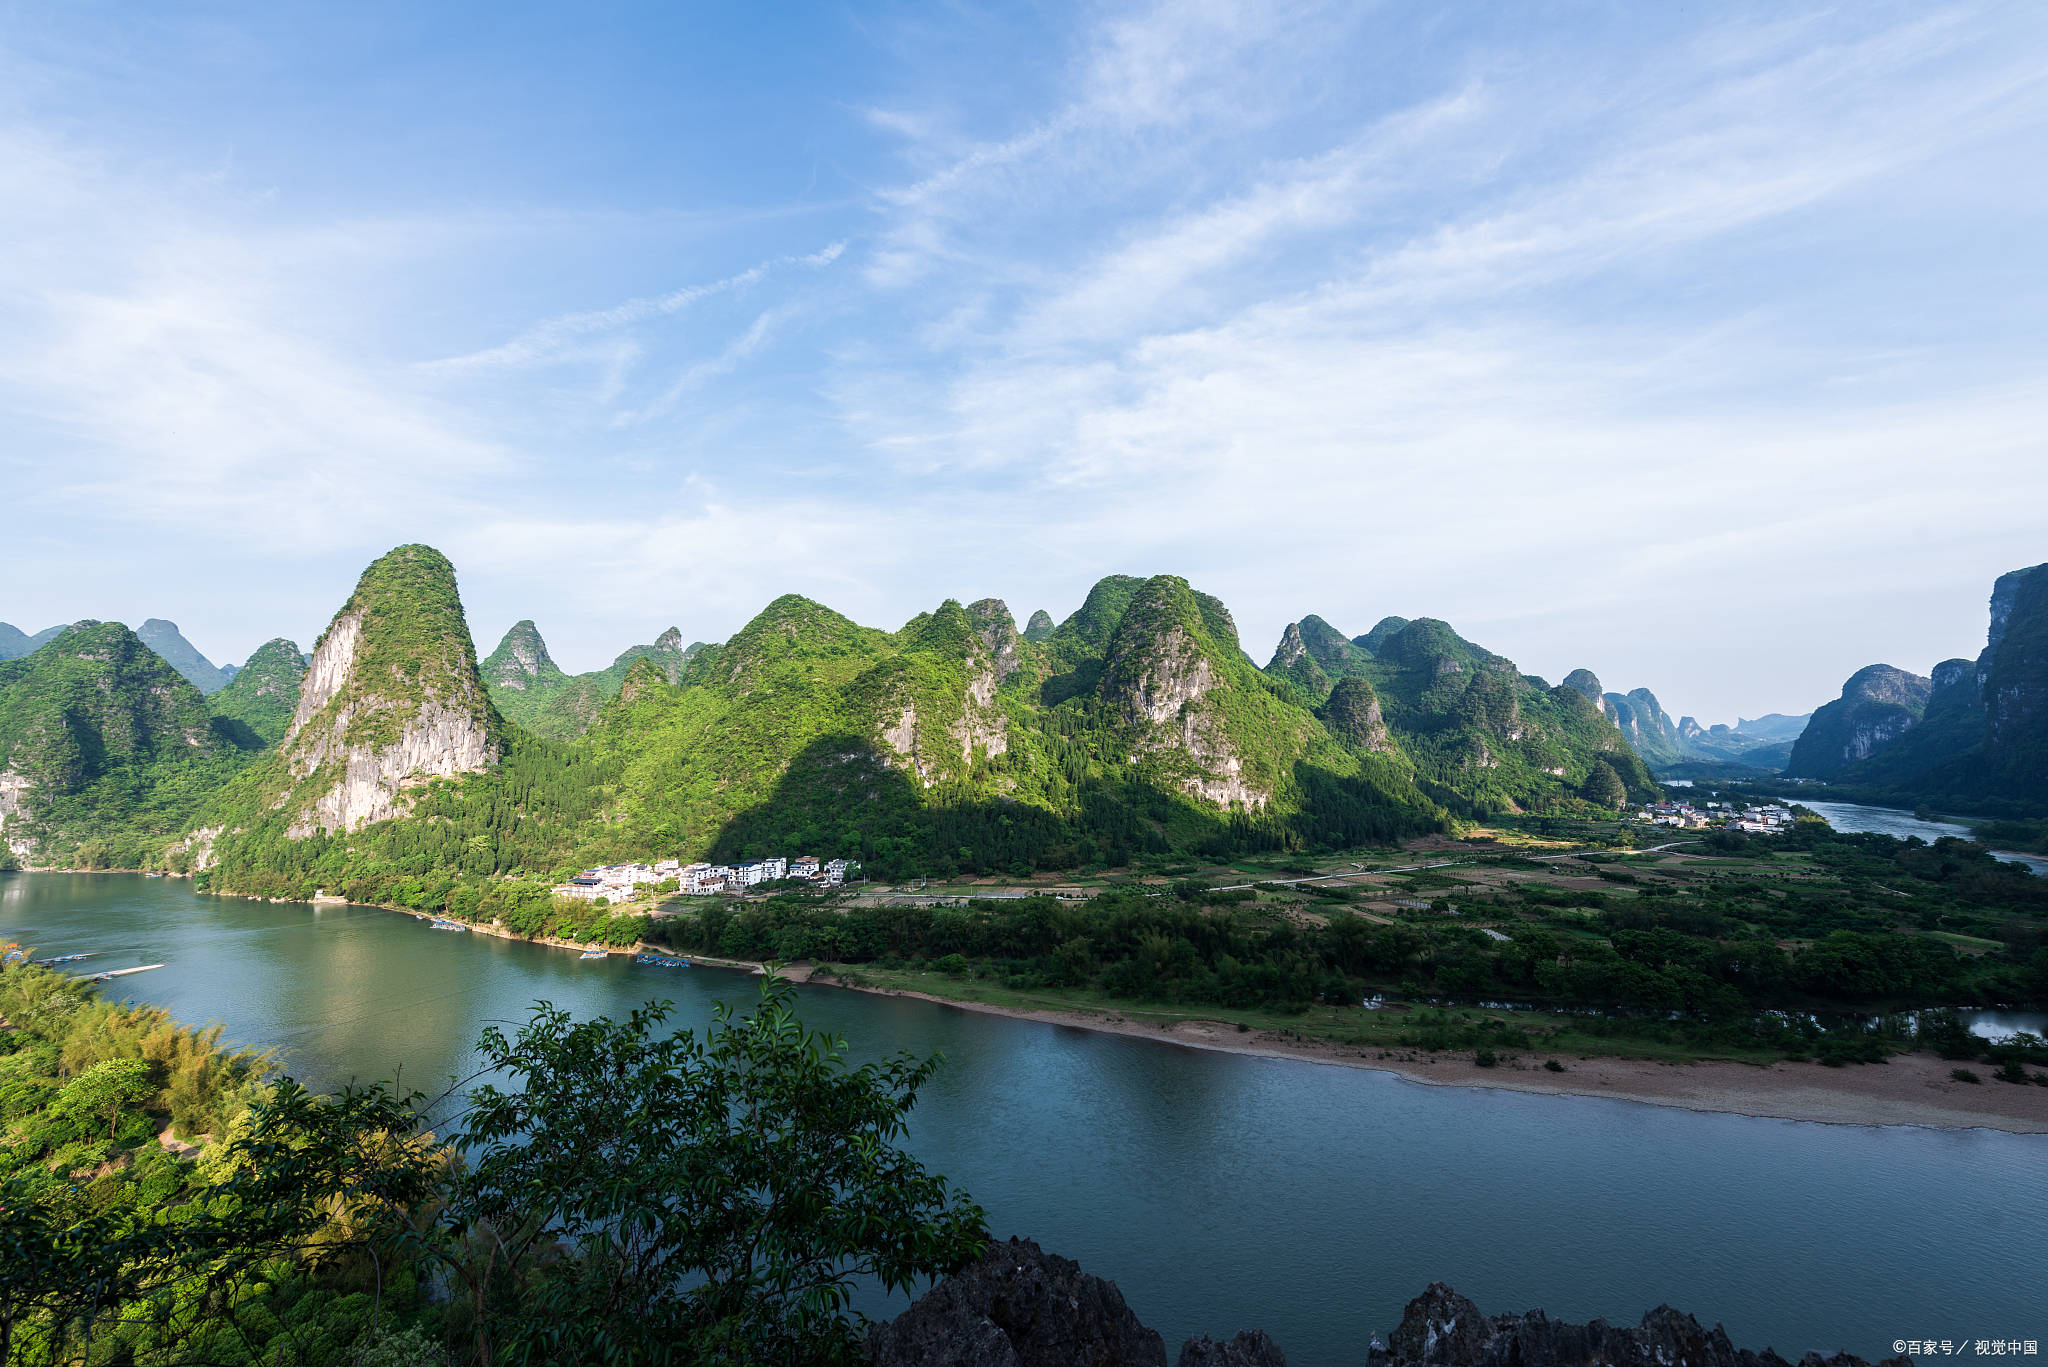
point(1220, 1192)
point(1852, 818)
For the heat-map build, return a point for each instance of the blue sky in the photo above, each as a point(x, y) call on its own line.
point(1702, 346)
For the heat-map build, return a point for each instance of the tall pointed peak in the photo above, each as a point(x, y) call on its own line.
point(393, 694)
point(521, 659)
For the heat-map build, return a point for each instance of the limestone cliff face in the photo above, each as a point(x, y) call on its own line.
point(1879, 704)
point(1291, 650)
point(15, 788)
point(940, 709)
point(1295, 660)
point(1160, 678)
point(997, 631)
point(2014, 669)
point(392, 699)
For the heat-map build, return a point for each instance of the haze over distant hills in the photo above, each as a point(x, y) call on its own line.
point(1684, 745)
point(159, 635)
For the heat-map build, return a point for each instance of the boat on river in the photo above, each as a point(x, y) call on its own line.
point(445, 924)
point(596, 954)
point(661, 960)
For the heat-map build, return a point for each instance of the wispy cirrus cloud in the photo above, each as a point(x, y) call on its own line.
point(1543, 322)
point(548, 340)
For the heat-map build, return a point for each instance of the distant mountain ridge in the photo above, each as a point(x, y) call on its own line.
point(165, 639)
point(159, 635)
point(1668, 745)
point(531, 689)
point(15, 643)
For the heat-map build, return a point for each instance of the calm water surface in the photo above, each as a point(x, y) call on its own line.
point(1851, 817)
point(1219, 1192)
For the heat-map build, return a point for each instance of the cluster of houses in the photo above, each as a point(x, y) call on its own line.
point(1764, 820)
point(622, 882)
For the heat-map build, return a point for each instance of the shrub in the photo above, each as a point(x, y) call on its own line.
point(1964, 1075)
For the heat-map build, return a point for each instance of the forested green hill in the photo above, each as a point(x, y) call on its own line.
point(530, 688)
point(399, 768)
point(1481, 735)
point(106, 752)
point(263, 694)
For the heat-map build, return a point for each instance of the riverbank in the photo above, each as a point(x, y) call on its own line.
point(1912, 1089)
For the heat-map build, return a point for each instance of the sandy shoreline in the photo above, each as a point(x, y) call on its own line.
point(1913, 1089)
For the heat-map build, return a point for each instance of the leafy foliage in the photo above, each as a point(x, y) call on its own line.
point(263, 695)
point(721, 1193)
point(112, 751)
point(632, 1195)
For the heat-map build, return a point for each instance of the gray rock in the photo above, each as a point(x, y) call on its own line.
point(1443, 1329)
point(1250, 1348)
point(1018, 1307)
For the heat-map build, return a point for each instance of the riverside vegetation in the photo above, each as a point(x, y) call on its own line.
point(1842, 948)
point(622, 1193)
point(1136, 735)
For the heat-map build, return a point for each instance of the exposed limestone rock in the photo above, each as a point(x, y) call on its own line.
point(1157, 678)
point(981, 723)
point(438, 742)
point(998, 632)
point(1443, 1329)
point(1018, 1307)
point(1248, 1348)
point(1879, 704)
point(1290, 649)
point(329, 670)
point(14, 790)
point(392, 699)
point(199, 845)
point(902, 738)
point(520, 659)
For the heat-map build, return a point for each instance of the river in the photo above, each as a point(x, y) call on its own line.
point(1219, 1191)
point(1851, 817)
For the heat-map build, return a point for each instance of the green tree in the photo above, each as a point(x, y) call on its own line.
point(105, 1090)
point(721, 1192)
point(1603, 786)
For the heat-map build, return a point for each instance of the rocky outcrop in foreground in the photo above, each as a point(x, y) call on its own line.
point(1443, 1329)
point(1023, 1307)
